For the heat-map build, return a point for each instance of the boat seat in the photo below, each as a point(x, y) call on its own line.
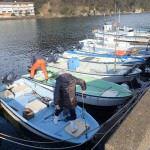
point(32, 108)
point(81, 128)
point(16, 88)
point(6, 94)
point(20, 87)
point(36, 106)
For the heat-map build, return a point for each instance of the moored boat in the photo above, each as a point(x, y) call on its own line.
point(103, 58)
point(107, 45)
point(98, 93)
point(25, 94)
point(125, 34)
point(109, 72)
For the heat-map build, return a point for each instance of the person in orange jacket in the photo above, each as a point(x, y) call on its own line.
point(37, 62)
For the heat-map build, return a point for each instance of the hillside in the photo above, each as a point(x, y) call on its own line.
point(61, 8)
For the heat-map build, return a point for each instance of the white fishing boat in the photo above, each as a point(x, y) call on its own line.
point(123, 53)
point(98, 92)
point(124, 34)
point(103, 58)
point(25, 95)
point(109, 72)
point(108, 45)
point(131, 39)
point(114, 40)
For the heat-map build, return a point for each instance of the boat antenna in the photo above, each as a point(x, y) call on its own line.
point(147, 47)
point(115, 40)
point(115, 51)
point(119, 18)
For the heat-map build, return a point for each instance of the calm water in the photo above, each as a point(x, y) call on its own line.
point(20, 39)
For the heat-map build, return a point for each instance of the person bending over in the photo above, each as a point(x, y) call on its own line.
point(65, 96)
point(37, 62)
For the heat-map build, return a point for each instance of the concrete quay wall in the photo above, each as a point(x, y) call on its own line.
point(134, 132)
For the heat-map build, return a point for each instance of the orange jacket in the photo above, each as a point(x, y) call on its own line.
point(39, 63)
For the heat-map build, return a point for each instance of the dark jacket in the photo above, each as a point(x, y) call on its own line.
point(65, 88)
point(35, 58)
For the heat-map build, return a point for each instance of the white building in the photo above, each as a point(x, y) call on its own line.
point(16, 9)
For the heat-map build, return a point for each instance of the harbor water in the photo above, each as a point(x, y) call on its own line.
point(21, 39)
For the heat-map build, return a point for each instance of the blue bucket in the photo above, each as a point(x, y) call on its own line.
point(73, 63)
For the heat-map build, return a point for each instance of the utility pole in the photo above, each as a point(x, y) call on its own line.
point(48, 5)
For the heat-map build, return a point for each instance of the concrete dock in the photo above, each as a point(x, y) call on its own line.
point(134, 132)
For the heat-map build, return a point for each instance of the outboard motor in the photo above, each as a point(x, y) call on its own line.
point(9, 78)
point(80, 46)
point(55, 58)
point(60, 49)
point(52, 58)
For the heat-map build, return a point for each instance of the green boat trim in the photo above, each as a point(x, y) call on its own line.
point(95, 87)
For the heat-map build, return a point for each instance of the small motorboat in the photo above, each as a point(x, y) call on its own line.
point(31, 105)
point(98, 93)
point(109, 72)
point(103, 58)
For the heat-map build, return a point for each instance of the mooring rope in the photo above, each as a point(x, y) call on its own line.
point(39, 142)
point(3, 136)
point(36, 147)
point(39, 147)
point(121, 118)
point(140, 92)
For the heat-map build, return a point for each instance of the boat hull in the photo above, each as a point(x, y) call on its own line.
point(102, 101)
point(41, 124)
point(96, 100)
point(115, 78)
point(20, 121)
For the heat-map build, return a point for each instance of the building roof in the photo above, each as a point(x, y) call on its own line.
point(12, 3)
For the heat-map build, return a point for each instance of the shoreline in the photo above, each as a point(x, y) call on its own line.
point(61, 16)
